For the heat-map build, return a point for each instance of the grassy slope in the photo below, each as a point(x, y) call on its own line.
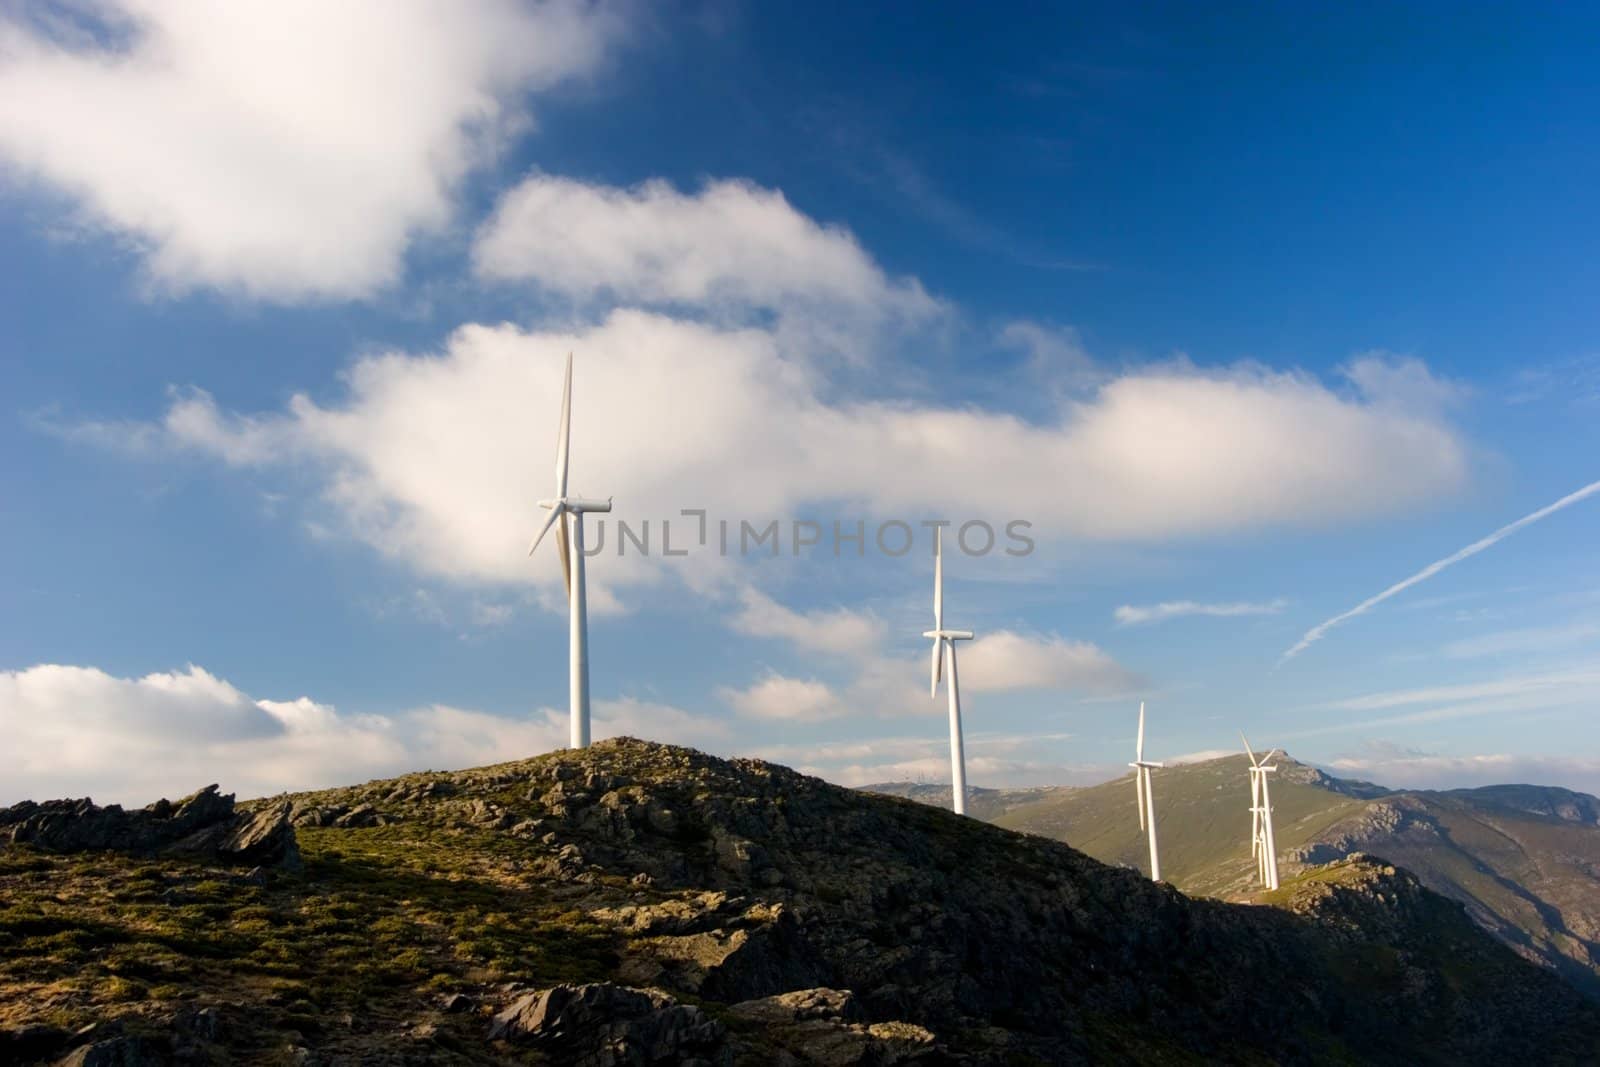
point(1202, 822)
point(1531, 879)
point(385, 919)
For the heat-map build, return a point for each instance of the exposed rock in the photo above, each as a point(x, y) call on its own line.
point(801, 1005)
point(25, 1044)
point(117, 1052)
point(362, 816)
point(265, 837)
point(204, 825)
point(601, 1025)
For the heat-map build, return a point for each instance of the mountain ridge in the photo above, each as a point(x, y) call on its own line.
point(1524, 860)
point(653, 904)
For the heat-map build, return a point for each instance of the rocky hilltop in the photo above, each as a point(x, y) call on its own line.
point(637, 903)
point(1524, 860)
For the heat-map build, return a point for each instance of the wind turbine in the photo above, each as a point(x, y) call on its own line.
point(944, 652)
point(569, 539)
point(1262, 844)
point(1147, 798)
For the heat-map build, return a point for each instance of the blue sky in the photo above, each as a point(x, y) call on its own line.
point(1252, 312)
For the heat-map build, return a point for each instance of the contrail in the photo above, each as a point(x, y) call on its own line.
point(1316, 632)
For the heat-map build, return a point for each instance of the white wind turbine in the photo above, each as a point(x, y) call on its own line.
point(1262, 844)
point(570, 542)
point(1147, 798)
point(944, 658)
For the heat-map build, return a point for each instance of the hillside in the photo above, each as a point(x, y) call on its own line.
point(1525, 860)
point(639, 903)
point(987, 804)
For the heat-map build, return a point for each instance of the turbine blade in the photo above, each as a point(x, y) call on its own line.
point(564, 436)
point(1253, 761)
point(1138, 791)
point(549, 521)
point(936, 672)
point(564, 543)
point(938, 581)
point(1139, 748)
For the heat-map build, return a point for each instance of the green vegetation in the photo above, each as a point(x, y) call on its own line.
point(1528, 876)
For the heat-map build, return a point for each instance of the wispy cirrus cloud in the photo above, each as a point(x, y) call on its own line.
point(1138, 615)
point(1529, 640)
point(1317, 632)
point(1399, 767)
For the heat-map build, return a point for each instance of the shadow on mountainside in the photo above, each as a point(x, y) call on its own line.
point(774, 915)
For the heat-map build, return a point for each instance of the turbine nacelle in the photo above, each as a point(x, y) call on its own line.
point(576, 504)
point(949, 635)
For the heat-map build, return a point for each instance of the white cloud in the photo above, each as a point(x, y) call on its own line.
point(436, 459)
point(1533, 639)
point(998, 662)
point(1513, 685)
point(1415, 770)
point(1135, 615)
point(74, 731)
point(1004, 661)
point(993, 760)
point(780, 698)
point(732, 243)
point(287, 150)
point(1055, 352)
point(838, 631)
point(1527, 697)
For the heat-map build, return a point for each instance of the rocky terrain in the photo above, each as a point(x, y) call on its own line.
point(1524, 860)
point(636, 903)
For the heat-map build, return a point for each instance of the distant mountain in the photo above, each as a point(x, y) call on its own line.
point(986, 804)
point(635, 903)
point(1525, 860)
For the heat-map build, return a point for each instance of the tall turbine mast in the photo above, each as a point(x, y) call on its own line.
point(944, 652)
point(1146, 796)
point(569, 510)
point(1263, 846)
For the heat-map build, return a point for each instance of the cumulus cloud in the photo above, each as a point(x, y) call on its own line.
point(839, 631)
point(1136, 615)
point(75, 731)
point(287, 150)
point(999, 662)
point(1004, 660)
point(435, 459)
point(781, 698)
point(993, 760)
point(731, 243)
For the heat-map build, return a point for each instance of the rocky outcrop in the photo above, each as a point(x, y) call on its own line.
point(606, 1025)
point(205, 825)
point(635, 903)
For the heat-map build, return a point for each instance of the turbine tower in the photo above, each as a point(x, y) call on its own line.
point(1147, 798)
point(944, 658)
point(569, 539)
point(1263, 846)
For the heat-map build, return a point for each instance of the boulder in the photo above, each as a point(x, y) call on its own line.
point(264, 838)
point(607, 1025)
